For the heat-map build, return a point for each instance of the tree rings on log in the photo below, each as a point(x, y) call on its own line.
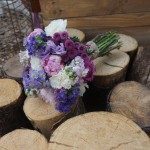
point(13, 68)
point(132, 100)
point(11, 100)
point(140, 69)
point(23, 139)
point(99, 131)
point(110, 69)
point(129, 45)
point(75, 32)
point(44, 116)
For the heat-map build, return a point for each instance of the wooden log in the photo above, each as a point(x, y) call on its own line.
point(132, 100)
point(44, 116)
point(99, 131)
point(129, 45)
point(140, 69)
point(11, 101)
point(13, 68)
point(110, 69)
point(75, 32)
point(23, 139)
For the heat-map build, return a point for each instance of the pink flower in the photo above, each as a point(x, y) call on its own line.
point(52, 65)
point(37, 31)
point(47, 95)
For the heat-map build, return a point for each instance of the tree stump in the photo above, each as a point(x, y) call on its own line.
point(110, 69)
point(129, 45)
point(99, 131)
point(140, 70)
point(23, 139)
point(11, 101)
point(132, 100)
point(44, 116)
point(75, 32)
point(13, 68)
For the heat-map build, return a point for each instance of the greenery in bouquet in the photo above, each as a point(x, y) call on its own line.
point(57, 68)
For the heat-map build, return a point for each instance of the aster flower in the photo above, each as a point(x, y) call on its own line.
point(64, 35)
point(69, 44)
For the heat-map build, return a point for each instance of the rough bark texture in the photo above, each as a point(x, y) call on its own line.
point(110, 69)
point(11, 102)
point(140, 70)
point(132, 100)
point(23, 139)
point(13, 68)
point(99, 131)
point(45, 117)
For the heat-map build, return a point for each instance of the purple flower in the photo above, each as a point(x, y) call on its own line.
point(72, 53)
point(85, 57)
point(64, 35)
point(77, 45)
point(82, 48)
point(69, 44)
point(57, 37)
point(60, 50)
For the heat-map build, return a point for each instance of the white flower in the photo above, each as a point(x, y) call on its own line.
point(36, 63)
point(24, 58)
point(56, 26)
point(82, 89)
point(61, 80)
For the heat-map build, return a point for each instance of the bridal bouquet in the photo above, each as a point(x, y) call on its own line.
point(57, 68)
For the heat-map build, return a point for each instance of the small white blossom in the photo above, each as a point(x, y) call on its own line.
point(24, 58)
point(56, 26)
point(83, 89)
point(61, 80)
point(36, 63)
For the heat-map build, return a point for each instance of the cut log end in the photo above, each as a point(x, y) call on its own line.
point(132, 100)
point(110, 69)
point(129, 43)
point(75, 32)
point(23, 139)
point(94, 130)
point(10, 91)
point(13, 68)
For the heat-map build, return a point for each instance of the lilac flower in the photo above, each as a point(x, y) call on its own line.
point(60, 50)
point(64, 35)
point(69, 44)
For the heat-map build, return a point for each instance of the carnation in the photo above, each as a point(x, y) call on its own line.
point(61, 80)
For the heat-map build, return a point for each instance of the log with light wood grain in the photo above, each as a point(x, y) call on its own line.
point(140, 69)
point(13, 68)
point(132, 100)
point(23, 139)
point(44, 116)
point(99, 131)
point(129, 45)
point(110, 69)
point(11, 101)
point(75, 32)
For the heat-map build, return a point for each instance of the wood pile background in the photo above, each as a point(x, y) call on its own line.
point(94, 17)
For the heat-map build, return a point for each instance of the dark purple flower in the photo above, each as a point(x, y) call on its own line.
point(77, 45)
point(82, 48)
point(69, 44)
point(57, 37)
point(64, 35)
point(85, 57)
point(72, 53)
